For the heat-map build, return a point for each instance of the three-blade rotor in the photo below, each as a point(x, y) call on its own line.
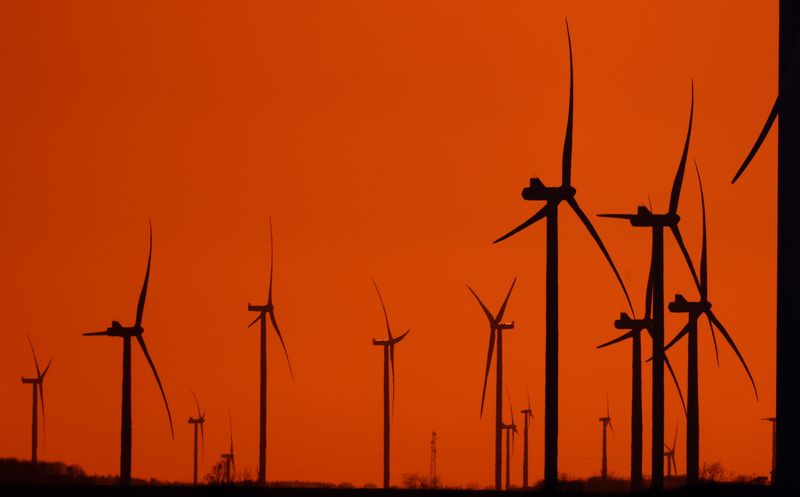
point(390, 342)
point(136, 330)
point(495, 326)
point(269, 308)
point(565, 192)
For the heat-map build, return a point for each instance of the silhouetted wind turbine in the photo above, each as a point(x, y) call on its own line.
point(264, 311)
point(229, 457)
point(657, 223)
point(772, 466)
point(388, 360)
point(635, 328)
point(496, 327)
point(669, 453)
point(126, 333)
point(553, 196)
point(787, 104)
point(37, 384)
point(199, 420)
point(694, 310)
point(526, 415)
point(606, 422)
point(511, 433)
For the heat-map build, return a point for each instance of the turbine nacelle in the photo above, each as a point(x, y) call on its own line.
point(681, 305)
point(625, 322)
point(117, 330)
point(536, 190)
point(505, 326)
point(646, 219)
point(31, 380)
point(259, 308)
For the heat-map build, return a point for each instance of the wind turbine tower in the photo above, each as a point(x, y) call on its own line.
point(37, 383)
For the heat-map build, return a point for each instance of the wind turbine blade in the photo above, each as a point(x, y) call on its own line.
point(400, 338)
point(46, 368)
point(271, 263)
point(713, 339)
point(505, 302)
point(140, 339)
point(626, 336)
point(528, 393)
point(677, 337)
point(35, 361)
point(280, 337)
point(536, 217)
point(675, 381)
point(488, 365)
point(143, 294)
point(730, 341)
point(590, 228)
point(566, 158)
point(260, 315)
point(648, 304)
point(617, 216)
point(203, 437)
point(197, 404)
point(94, 333)
point(757, 145)
point(675, 194)
point(704, 247)
point(483, 307)
point(385, 315)
point(676, 232)
point(675, 439)
point(510, 405)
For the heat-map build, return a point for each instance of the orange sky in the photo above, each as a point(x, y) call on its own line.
point(384, 139)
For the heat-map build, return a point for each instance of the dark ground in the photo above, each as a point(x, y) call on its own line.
point(29, 490)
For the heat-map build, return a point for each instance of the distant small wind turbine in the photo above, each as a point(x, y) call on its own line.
point(669, 453)
point(496, 327)
point(230, 459)
point(527, 414)
point(511, 433)
point(199, 420)
point(126, 333)
point(37, 383)
point(388, 361)
point(263, 311)
point(606, 421)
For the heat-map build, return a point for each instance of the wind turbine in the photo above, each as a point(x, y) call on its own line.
point(787, 105)
point(127, 333)
point(230, 459)
point(606, 422)
point(496, 327)
point(669, 453)
point(634, 329)
point(388, 360)
point(199, 420)
point(774, 431)
point(263, 311)
point(527, 414)
point(511, 433)
point(694, 310)
point(553, 196)
point(644, 218)
point(37, 384)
